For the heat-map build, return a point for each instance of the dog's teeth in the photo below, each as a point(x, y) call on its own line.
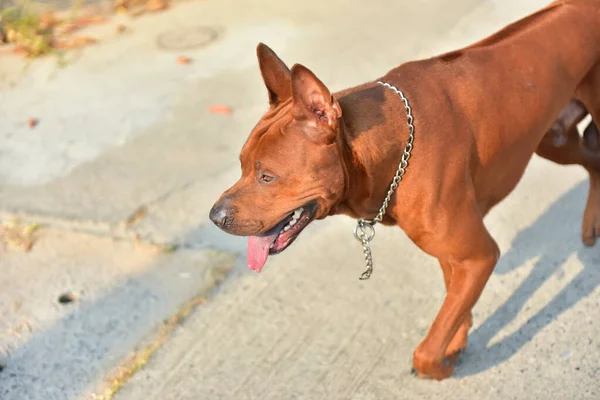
point(271, 246)
point(287, 228)
point(293, 222)
point(297, 214)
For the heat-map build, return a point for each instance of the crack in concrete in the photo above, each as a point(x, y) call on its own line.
point(97, 228)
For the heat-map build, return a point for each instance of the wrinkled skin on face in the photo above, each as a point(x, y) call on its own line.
point(292, 160)
point(283, 168)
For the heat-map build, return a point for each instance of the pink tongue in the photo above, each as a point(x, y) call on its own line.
point(258, 251)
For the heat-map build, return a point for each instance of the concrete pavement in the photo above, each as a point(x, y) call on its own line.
point(124, 128)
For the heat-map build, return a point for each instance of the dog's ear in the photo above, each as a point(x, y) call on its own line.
point(312, 100)
point(275, 74)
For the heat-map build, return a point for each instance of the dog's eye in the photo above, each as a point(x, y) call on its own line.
point(264, 178)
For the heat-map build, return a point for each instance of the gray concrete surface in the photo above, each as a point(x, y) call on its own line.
point(123, 126)
point(123, 291)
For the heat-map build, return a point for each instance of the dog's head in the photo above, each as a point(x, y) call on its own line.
point(292, 166)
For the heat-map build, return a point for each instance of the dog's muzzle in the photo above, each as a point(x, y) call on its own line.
point(221, 214)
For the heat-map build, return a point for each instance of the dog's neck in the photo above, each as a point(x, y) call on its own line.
point(372, 136)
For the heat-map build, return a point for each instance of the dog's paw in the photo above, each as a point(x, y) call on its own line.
point(590, 232)
point(590, 229)
point(438, 372)
point(588, 236)
point(429, 368)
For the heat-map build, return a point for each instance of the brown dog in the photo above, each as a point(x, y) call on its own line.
point(479, 115)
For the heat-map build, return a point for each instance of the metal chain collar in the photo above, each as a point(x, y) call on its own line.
point(365, 229)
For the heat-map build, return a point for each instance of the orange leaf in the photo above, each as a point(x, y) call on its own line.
point(90, 20)
point(156, 5)
point(75, 42)
point(47, 20)
point(20, 51)
point(220, 109)
point(183, 60)
point(32, 122)
point(68, 28)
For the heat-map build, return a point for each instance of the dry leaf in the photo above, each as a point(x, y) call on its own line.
point(16, 235)
point(84, 41)
point(47, 21)
point(137, 215)
point(20, 51)
point(67, 28)
point(70, 27)
point(220, 109)
point(136, 11)
point(90, 20)
point(156, 5)
point(32, 122)
point(73, 43)
point(120, 28)
point(183, 60)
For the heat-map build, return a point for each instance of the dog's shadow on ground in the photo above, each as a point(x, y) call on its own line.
point(552, 239)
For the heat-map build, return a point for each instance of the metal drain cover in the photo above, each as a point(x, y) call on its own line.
point(187, 38)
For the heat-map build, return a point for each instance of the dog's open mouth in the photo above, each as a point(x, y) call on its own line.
point(279, 237)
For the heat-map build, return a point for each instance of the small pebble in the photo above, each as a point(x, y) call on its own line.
point(67, 298)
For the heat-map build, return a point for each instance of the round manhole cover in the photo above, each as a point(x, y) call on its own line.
point(187, 38)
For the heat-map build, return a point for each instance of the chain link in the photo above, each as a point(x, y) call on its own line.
point(365, 229)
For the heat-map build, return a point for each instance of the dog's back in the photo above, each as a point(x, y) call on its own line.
point(506, 91)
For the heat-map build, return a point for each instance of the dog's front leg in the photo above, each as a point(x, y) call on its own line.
point(459, 341)
point(469, 257)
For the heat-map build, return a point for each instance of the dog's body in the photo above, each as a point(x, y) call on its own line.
point(480, 114)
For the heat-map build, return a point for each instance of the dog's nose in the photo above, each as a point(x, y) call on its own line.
point(220, 214)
